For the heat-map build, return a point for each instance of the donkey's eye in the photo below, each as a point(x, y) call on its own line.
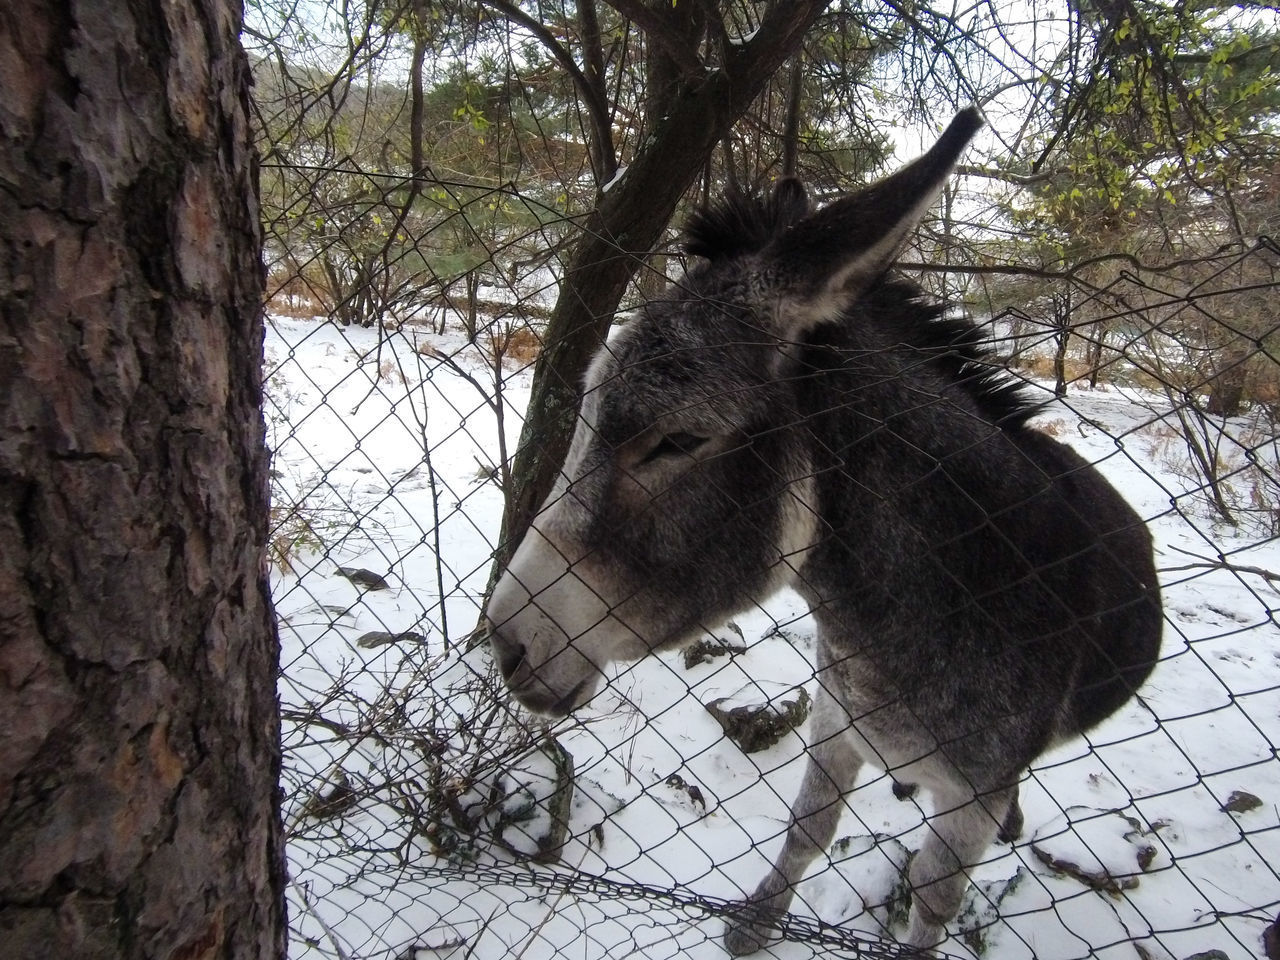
point(674, 444)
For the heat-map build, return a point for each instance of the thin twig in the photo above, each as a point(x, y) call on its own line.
point(1208, 563)
point(328, 931)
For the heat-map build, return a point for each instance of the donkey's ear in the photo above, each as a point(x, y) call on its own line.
point(826, 260)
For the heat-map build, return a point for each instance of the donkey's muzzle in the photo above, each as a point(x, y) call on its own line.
point(523, 681)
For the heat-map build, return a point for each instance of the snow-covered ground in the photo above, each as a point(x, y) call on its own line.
point(1137, 842)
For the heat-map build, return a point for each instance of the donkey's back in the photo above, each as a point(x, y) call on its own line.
point(987, 569)
point(981, 591)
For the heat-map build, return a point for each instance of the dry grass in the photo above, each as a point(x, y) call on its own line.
point(390, 372)
point(293, 531)
point(519, 345)
point(298, 308)
point(1053, 428)
point(1041, 368)
point(1263, 385)
point(293, 296)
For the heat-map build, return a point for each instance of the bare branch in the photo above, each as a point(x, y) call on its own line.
point(593, 56)
point(1220, 563)
point(791, 134)
point(1014, 269)
point(597, 109)
point(674, 43)
point(1006, 176)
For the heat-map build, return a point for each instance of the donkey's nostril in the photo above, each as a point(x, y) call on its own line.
point(511, 660)
point(510, 655)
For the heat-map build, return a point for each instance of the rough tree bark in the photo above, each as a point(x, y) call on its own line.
point(691, 111)
point(139, 746)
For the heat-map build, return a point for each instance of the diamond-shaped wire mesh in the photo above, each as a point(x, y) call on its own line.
point(427, 816)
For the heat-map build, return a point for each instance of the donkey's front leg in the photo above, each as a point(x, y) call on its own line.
point(829, 775)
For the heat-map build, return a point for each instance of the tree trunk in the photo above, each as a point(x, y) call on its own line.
point(1062, 339)
point(139, 759)
point(690, 114)
point(1096, 345)
point(472, 322)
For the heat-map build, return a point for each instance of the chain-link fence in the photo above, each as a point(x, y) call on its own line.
point(427, 816)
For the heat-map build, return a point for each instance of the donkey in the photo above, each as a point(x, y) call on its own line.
point(792, 414)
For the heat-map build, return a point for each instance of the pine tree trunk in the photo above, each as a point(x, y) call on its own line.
point(139, 742)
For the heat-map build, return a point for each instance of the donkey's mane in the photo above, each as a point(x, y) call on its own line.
point(953, 344)
point(949, 341)
point(740, 223)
